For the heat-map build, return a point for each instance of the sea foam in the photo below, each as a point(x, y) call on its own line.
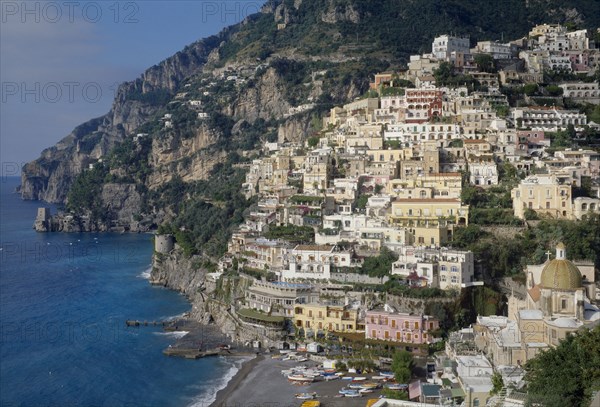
point(213, 387)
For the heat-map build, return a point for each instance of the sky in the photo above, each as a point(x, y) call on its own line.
point(61, 61)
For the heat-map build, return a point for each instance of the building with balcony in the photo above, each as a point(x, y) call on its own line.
point(317, 318)
point(387, 325)
point(279, 298)
point(314, 262)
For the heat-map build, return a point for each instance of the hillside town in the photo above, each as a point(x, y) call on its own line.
point(377, 197)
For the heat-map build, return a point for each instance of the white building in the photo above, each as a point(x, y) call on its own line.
point(547, 118)
point(314, 262)
point(442, 267)
point(444, 45)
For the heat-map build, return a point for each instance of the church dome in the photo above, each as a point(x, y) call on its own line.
point(560, 273)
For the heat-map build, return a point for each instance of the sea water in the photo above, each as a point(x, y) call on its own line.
point(64, 300)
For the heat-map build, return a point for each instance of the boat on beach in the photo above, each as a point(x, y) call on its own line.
point(396, 386)
point(300, 378)
point(311, 403)
point(305, 396)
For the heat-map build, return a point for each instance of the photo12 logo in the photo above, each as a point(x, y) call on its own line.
point(229, 11)
point(125, 12)
point(51, 92)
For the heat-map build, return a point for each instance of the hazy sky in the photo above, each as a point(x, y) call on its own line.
point(60, 61)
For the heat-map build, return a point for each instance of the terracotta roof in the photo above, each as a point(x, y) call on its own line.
point(535, 293)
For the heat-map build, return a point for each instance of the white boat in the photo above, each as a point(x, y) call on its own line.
point(365, 391)
point(359, 379)
point(379, 378)
point(305, 396)
point(300, 379)
point(357, 394)
point(331, 377)
point(396, 386)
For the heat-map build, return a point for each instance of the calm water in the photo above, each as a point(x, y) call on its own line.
point(64, 299)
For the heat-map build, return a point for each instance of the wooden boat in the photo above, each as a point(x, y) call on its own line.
point(311, 403)
point(369, 385)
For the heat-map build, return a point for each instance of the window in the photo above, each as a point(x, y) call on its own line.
point(393, 323)
point(454, 269)
point(443, 268)
point(405, 324)
point(416, 325)
point(310, 313)
point(373, 334)
point(398, 336)
point(387, 335)
point(563, 303)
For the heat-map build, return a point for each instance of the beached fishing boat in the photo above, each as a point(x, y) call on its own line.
point(370, 385)
point(311, 403)
point(355, 386)
point(365, 391)
point(379, 378)
point(359, 379)
point(388, 375)
point(357, 394)
point(305, 396)
point(300, 379)
point(396, 386)
point(345, 392)
point(330, 377)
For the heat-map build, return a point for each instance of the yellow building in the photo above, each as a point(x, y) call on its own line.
point(316, 317)
point(547, 195)
point(430, 220)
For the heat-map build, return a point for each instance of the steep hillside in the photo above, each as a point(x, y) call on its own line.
point(205, 109)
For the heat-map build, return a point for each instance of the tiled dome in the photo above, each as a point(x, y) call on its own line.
point(560, 273)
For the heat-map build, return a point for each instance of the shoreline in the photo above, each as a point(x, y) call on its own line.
point(240, 376)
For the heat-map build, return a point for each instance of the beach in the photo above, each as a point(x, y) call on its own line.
point(259, 382)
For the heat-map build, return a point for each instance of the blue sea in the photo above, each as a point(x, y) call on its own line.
point(64, 299)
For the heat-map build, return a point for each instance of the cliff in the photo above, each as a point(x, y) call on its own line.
point(212, 301)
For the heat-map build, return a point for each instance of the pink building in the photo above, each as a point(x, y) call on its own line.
point(399, 327)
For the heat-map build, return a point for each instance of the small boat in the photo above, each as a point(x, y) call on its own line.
point(370, 385)
point(396, 386)
point(302, 359)
point(346, 391)
point(300, 379)
point(365, 391)
point(331, 377)
point(379, 378)
point(359, 379)
point(355, 386)
point(305, 396)
point(311, 403)
point(357, 394)
point(387, 375)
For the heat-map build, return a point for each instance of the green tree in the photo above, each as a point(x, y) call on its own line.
point(402, 365)
point(497, 383)
point(566, 375)
point(485, 63)
point(530, 89)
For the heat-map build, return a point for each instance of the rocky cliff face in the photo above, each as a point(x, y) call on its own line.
point(49, 177)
